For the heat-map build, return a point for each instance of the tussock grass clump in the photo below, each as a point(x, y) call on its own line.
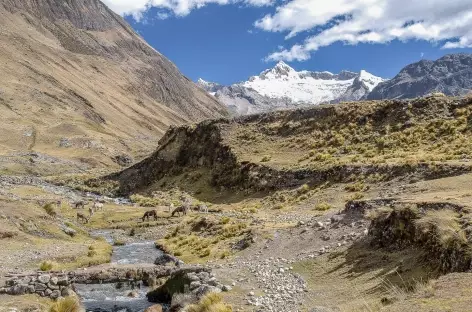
point(98, 253)
point(355, 196)
point(47, 265)
point(144, 201)
point(119, 242)
point(69, 304)
point(203, 237)
point(210, 303)
point(356, 187)
point(7, 234)
point(265, 159)
point(49, 208)
point(323, 206)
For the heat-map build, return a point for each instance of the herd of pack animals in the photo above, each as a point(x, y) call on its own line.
point(98, 206)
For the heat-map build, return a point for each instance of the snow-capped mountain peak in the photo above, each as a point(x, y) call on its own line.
point(211, 87)
point(370, 80)
point(282, 87)
point(280, 70)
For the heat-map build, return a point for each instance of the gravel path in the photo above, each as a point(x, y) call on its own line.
point(264, 273)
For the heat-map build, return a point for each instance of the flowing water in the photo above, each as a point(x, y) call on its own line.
point(114, 297)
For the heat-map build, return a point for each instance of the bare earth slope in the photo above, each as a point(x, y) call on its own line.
point(74, 70)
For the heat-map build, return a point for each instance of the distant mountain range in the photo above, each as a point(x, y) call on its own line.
point(282, 87)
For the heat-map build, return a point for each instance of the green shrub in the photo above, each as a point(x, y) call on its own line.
point(322, 206)
point(225, 220)
point(144, 201)
point(91, 253)
point(356, 196)
point(69, 304)
point(205, 253)
point(49, 208)
point(211, 302)
point(355, 187)
point(305, 188)
point(265, 159)
point(119, 242)
point(46, 265)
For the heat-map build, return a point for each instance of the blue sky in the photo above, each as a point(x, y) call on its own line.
point(228, 43)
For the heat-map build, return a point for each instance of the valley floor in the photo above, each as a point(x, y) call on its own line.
point(298, 258)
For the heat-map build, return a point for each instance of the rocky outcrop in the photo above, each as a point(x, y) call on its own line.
point(444, 240)
point(198, 283)
point(451, 75)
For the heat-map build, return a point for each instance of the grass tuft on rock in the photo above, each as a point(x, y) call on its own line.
point(212, 302)
point(46, 265)
point(69, 304)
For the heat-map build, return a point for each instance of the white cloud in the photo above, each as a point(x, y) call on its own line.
point(137, 8)
point(369, 21)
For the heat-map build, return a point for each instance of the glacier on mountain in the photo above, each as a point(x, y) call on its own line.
point(282, 87)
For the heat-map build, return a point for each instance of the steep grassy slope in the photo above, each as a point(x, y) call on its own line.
point(423, 138)
point(78, 83)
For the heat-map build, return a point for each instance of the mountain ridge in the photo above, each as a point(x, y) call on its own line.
point(282, 87)
point(450, 74)
point(75, 72)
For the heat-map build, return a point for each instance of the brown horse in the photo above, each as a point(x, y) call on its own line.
point(181, 210)
point(149, 214)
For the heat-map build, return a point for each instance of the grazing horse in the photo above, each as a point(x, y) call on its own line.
point(182, 209)
point(81, 216)
point(91, 211)
point(149, 214)
point(80, 204)
point(97, 206)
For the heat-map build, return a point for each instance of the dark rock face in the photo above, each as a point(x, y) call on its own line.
point(451, 75)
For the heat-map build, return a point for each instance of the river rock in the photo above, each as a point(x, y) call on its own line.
point(204, 276)
point(65, 292)
point(19, 290)
point(55, 294)
point(154, 308)
point(39, 287)
point(195, 284)
point(165, 259)
point(193, 277)
point(205, 289)
point(62, 281)
point(52, 286)
point(226, 288)
point(45, 278)
point(133, 294)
